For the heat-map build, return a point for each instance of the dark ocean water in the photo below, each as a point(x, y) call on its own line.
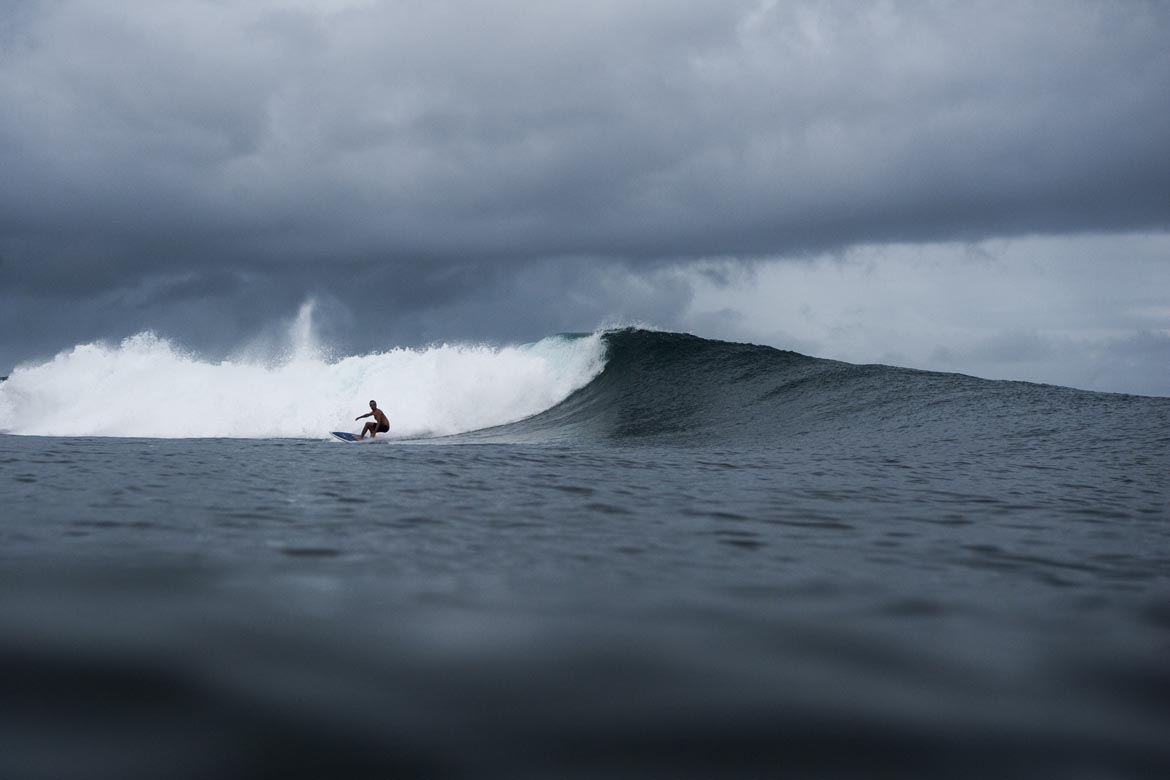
point(713, 560)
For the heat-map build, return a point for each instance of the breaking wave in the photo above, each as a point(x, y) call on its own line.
point(611, 386)
point(146, 386)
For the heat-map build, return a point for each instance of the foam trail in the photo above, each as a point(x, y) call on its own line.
point(146, 386)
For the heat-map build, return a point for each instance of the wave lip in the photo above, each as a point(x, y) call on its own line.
point(147, 387)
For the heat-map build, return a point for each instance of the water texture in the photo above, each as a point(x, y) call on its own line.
point(709, 559)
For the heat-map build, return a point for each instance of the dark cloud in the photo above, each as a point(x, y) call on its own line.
point(206, 166)
point(370, 309)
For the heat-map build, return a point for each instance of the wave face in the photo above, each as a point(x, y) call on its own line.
point(148, 387)
point(676, 388)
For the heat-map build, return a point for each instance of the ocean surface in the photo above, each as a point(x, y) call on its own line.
point(623, 554)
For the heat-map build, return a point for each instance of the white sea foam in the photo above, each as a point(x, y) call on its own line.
point(147, 386)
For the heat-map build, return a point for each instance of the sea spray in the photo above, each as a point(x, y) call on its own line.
point(147, 386)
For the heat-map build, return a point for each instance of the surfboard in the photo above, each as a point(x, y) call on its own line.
point(344, 436)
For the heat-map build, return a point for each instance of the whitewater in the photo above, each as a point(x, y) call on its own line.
point(147, 386)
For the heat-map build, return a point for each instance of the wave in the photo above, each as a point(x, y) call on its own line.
point(148, 387)
point(623, 385)
point(679, 388)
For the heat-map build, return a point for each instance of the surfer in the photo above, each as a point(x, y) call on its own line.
point(374, 428)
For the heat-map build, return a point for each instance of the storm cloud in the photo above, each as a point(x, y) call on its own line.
point(204, 166)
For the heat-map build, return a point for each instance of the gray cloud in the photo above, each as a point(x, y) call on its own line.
point(1086, 311)
point(1137, 363)
point(206, 166)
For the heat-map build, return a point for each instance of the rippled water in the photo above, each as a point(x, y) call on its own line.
point(826, 606)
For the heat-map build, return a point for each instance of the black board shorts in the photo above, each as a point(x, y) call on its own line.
point(383, 428)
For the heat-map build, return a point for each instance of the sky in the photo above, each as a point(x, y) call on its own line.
point(981, 187)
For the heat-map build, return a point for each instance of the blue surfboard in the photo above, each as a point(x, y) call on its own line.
point(344, 436)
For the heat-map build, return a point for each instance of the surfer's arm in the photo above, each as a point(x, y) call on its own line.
point(367, 414)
